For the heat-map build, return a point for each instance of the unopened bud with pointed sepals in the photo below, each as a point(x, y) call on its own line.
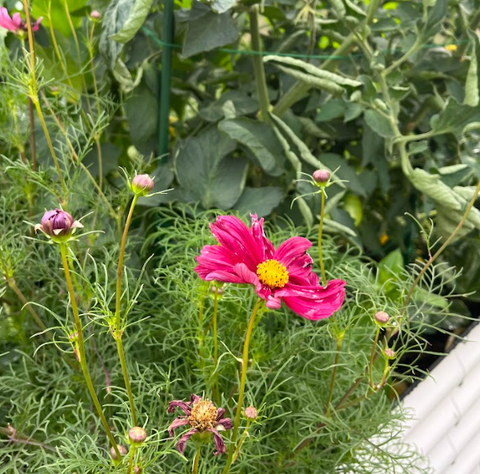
point(321, 176)
point(142, 184)
point(121, 449)
point(382, 317)
point(59, 225)
point(251, 413)
point(137, 435)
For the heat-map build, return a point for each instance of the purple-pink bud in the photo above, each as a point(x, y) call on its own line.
point(142, 184)
point(382, 317)
point(389, 353)
point(137, 469)
point(58, 224)
point(137, 434)
point(251, 413)
point(121, 449)
point(95, 15)
point(321, 176)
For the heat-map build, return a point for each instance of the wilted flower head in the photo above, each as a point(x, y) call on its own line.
point(137, 434)
point(122, 450)
point(142, 184)
point(251, 413)
point(382, 317)
point(247, 256)
point(58, 225)
point(203, 417)
point(95, 15)
point(321, 176)
point(15, 23)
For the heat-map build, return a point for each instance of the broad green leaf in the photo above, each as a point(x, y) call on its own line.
point(353, 205)
point(454, 118)
point(424, 296)
point(260, 201)
point(332, 109)
point(378, 123)
point(313, 70)
point(136, 17)
point(391, 266)
point(355, 8)
point(207, 173)
point(435, 17)
point(124, 77)
point(243, 103)
point(471, 84)
point(259, 138)
point(208, 30)
point(221, 6)
point(339, 8)
point(56, 8)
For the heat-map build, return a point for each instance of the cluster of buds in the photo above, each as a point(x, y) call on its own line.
point(15, 23)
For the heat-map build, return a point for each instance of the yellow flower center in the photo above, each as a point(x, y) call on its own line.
point(203, 415)
point(272, 274)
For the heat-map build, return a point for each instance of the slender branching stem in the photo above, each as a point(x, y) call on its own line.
point(81, 349)
point(196, 461)
point(320, 231)
point(119, 325)
point(130, 461)
point(242, 440)
point(243, 381)
point(33, 146)
point(334, 375)
point(215, 388)
point(372, 355)
point(258, 68)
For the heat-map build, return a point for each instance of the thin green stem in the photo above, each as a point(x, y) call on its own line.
point(258, 66)
point(196, 462)
point(130, 461)
point(413, 49)
point(372, 355)
point(242, 440)
point(215, 388)
point(334, 375)
point(33, 145)
point(119, 326)
point(243, 381)
point(81, 349)
point(320, 232)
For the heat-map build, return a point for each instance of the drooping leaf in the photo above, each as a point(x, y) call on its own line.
point(471, 85)
point(207, 173)
point(259, 138)
point(435, 17)
point(260, 201)
point(221, 6)
point(136, 17)
point(208, 30)
point(243, 104)
point(454, 117)
point(378, 123)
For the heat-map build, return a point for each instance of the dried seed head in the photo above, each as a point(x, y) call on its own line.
point(122, 450)
point(382, 317)
point(142, 184)
point(321, 176)
point(137, 434)
point(251, 413)
point(203, 415)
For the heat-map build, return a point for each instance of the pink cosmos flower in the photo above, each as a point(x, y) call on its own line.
point(245, 255)
point(15, 23)
point(203, 417)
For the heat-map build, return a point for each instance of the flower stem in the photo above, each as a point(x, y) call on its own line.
point(130, 462)
point(320, 231)
point(242, 440)
point(33, 146)
point(372, 356)
point(81, 349)
point(215, 388)
point(243, 381)
point(196, 462)
point(334, 375)
point(118, 328)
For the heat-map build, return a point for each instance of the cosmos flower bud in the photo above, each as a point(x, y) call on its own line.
point(59, 225)
point(142, 184)
point(137, 469)
point(122, 450)
point(137, 434)
point(95, 15)
point(215, 289)
point(251, 413)
point(382, 317)
point(389, 353)
point(321, 176)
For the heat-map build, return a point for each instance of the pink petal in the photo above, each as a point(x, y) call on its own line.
point(226, 423)
point(272, 302)
point(17, 20)
point(313, 302)
point(177, 422)
point(292, 249)
point(36, 26)
point(256, 229)
point(182, 442)
point(219, 444)
point(245, 274)
point(5, 20)
point(184, 406)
